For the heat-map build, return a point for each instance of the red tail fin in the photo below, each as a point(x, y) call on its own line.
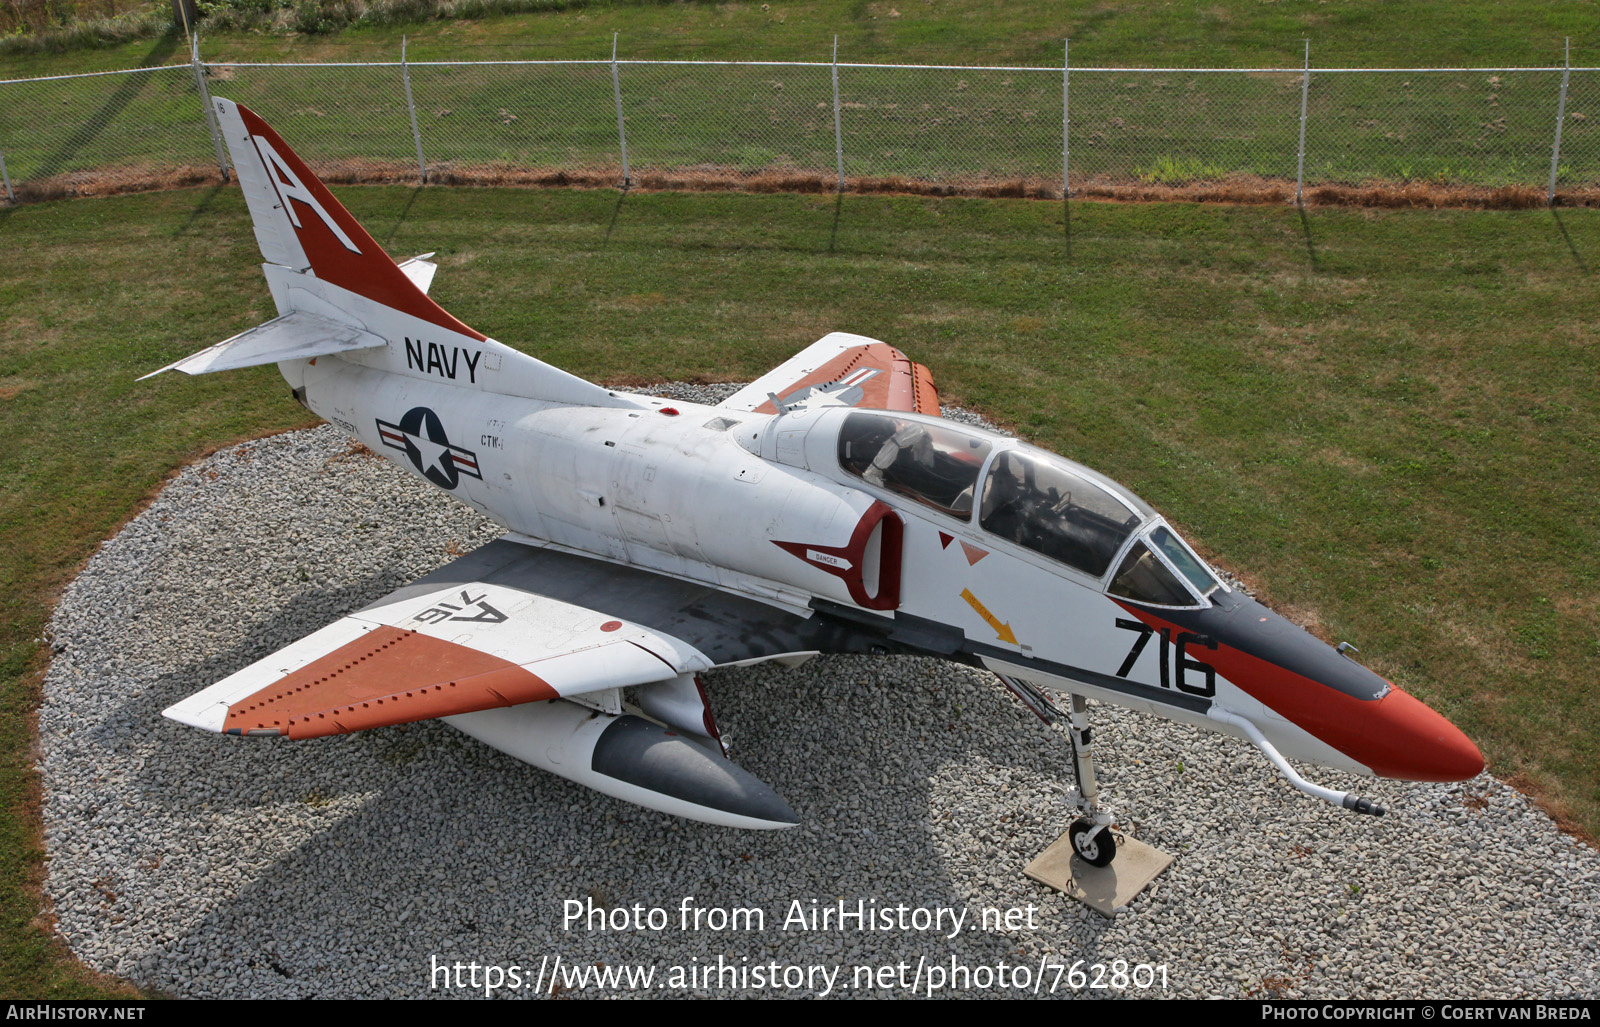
point(299, 224)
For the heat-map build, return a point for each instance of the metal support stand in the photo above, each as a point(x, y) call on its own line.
point(1066, 119)
point(1561, 115)
point(416, 134)
point(838, 128)
point(1305, 93)
point(205, 104)
point(622, 131)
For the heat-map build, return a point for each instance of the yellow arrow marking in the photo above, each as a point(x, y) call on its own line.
point(1002, 630)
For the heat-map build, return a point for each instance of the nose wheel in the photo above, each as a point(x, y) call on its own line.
point(1093, 844)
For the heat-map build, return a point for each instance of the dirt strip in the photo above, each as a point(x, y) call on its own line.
point(1239, 189)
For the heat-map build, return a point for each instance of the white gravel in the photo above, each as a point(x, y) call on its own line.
point(341, 867)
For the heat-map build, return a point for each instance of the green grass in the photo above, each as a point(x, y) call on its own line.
point(1386, 420)
point(1148, 33)
point(66, 391)
point(1178, 171)
point(947, 125)
point(1488, 129)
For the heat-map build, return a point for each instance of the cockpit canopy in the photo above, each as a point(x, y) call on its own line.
point(1146, 578)
point(936, 464)
point(1029, 497)
point(1042, 503)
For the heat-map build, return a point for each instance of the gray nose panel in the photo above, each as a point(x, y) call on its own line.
point(1244, 624)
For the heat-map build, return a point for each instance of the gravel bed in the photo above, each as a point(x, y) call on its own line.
point(202, 866)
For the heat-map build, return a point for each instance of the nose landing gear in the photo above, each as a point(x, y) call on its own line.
point(1092, 843)
point(1091, 836)
point(1099, 867)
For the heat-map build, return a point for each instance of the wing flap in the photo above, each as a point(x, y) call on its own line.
point(208, 709)
point(843, 370)
point(387, 676)
point(294, 336)
point(459, 649)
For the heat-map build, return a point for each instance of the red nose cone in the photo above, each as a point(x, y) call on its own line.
point(1406, 739)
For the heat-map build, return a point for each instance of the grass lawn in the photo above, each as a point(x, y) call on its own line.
point(1141, 33)
point(1489, 129)
point(1386, 421)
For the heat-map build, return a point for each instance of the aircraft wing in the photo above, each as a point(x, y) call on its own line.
point(841, 369)
point(507, 624)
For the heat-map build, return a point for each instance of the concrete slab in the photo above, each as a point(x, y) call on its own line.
point(1102, 889)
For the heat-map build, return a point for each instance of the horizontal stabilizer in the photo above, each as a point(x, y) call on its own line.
point(420, 270)
point(295, 336)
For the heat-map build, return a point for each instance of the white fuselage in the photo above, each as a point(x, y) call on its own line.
point(704, 493)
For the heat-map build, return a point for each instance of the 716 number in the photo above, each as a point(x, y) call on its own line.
point(1207, 688)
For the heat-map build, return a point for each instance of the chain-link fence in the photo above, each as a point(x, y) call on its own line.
point(1031, 131)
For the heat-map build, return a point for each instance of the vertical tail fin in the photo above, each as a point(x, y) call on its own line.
point(300, 225)
point(338, 292)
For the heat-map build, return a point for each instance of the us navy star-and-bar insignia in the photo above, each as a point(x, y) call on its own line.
point(421, 437)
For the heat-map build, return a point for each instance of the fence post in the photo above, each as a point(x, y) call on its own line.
point(1300, 162)
point(1066, 120)
point(622, 132)
point(205, 105)
point(11, 197)
point(838, 131)
point(416, 134)
point(1561, 115)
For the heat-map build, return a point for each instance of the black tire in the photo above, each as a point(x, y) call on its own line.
point(1098, 851)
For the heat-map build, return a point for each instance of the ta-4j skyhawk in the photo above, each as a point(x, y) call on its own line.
point(825, 508)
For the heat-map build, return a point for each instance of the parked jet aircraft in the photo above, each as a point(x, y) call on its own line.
point(825, 508)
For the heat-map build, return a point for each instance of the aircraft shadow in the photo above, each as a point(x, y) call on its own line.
point(388, 848)
point(243, 764)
